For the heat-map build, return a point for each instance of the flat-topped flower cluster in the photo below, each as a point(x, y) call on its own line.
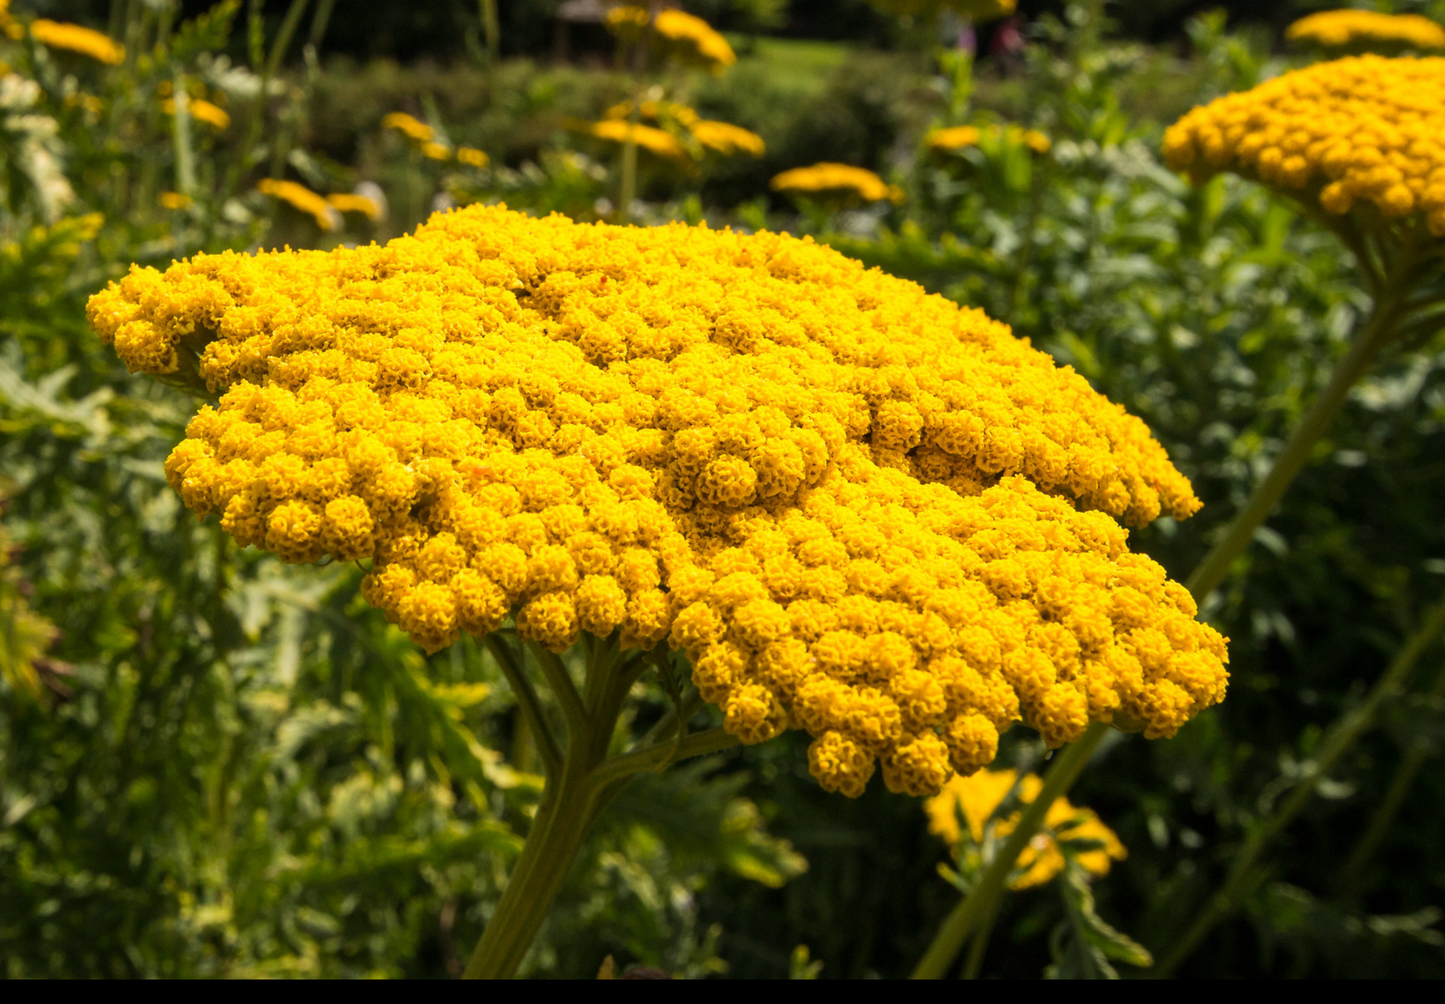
point(1362, 130)
point(859, 509)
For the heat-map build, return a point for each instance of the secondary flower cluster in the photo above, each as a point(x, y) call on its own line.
point(838, 179)
point(677, 33)
point(87, 42)
point(858, 508)
point(425, 138)
point(1341, 29)
point(202, 111)
point(1360, 130)
point(973, 801)
point(720, 137)
point(958, 137)
point(300, 197)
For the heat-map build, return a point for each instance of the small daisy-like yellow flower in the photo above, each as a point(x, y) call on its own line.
point(859, 509)
point(975, 799)
point(87, 42)
point(346, 202)
point(409, 126)
point(1364, 29)
point(302, 198)
point(837, 178)
point(472, 157)
point(727, 139)
point(656, 141)
point(679, 33)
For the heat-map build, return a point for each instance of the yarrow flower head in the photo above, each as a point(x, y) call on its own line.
point(349, 202)
point(300, 197)
point(838, 179)
point(1360, 131)
point(859, 509)
point(655, 141)
point(1367, 31)
point(202, 111)
point(727, 139)
point(959, 137)
point(676, 34)
point(74, 37)
point(409, 126)
point(966, 805)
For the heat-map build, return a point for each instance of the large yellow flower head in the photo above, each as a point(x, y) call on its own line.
point(1367, 30)
point(828, 177)
point(1362, 130)
point(859, 509)
point(87, 42)
point(972, 801)
point(675, 33)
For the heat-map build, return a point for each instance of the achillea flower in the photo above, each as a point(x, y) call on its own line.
point(410, 127)
point(1357, 130)
point(436, 151)
point(958, 137)
point(727, 139)
point(680, 34)
point(175, 200)
point(1365, 29)
point(975, 799)
point(302, 198)
point(58, 35)
point(861, 510)
point(346, 202)
point(657, 111)
point(202, 111)
point(472, 157)
point(828, 177)
point(656, 141)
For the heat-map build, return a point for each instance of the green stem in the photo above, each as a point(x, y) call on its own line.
point(1378, 332)
point(1389, 807)
point(978, 906)
point(1341, 738)
point(529, 703)
point(491, 27)
point(973, 965)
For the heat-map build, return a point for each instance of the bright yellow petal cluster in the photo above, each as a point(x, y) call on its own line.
point(202, 111)
point(175, 200)
point(302, 198)
point(346, 202)
point(59, 35)
point(1339, 29)
point(657, 141)
point(728, 139)
point(1360, 130)
point(829, 177)
point(856, 507)
point(472, 157)
point(409, 126)
point(975, 799)
point(686, 35)
point(436, 151)
point(958, 137)
point(657, 111)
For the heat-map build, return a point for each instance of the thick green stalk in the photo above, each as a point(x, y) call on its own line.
point(980, 903)
point(1340, 740)
point(1378, 332)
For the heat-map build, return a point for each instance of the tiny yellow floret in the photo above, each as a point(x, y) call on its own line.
point(975, 799)
point(859, 509)
point(1358, 131)
point(86, 41)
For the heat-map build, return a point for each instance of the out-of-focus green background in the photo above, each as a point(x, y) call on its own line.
point(212, 764)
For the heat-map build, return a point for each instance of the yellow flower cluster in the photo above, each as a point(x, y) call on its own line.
point(59, 35)
point(472, 157)
point(975, 799)
point(720, 137)
point(828, 177)
point(1363, 129)
point(1341, 29)
point(657, 111)
point(958, 137)
point(202, 111)
point(858, 508)
point(654, 140)
point(409, 126)
point(175, 200)
point(689, 37)
point(346, 202)
point(302, 198)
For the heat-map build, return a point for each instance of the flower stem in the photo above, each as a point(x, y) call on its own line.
point(1379, 331)
point(1341, 738)
point(978, 906)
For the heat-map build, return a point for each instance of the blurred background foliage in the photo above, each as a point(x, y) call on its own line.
point(214, 765)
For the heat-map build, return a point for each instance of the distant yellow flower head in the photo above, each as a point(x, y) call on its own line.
point(346, 202)
point(976, 798)
point(653, 140)
point(958, 137)
point(409, 126)
point(202, 111)
point(302, 198)
point(679, 34)
point(436, 151)
point(472, 157)
point(58, 35)
point(727, 139)
point(1359, 130)
point(975, 10)
point(1367, 30)
point(657, 111)
point(860, 510)
point(8, 25)
point(828, 177)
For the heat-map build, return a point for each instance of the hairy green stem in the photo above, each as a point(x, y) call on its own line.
point(978, 906)
point(1340, 739)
